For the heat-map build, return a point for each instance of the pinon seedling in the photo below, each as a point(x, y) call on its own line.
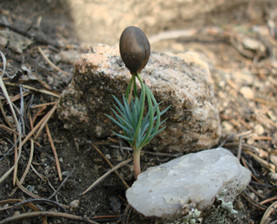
point(138, 126)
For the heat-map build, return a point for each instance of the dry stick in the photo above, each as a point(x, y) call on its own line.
point(4, 115)
point(54, 152)
point(40, 200)
point(12, 201)
point(8, 129)
point(239, 149)
point(40, 125)
point(42, 214)
point(30, 205)
point(15, 160)
point(106, 174)
point(268, 200)
point(51, 63)
point(272, 208)
point(18, 96)
point(25, 190)
point(3, 87)
point(27, 167)
point(251, 201)
point(37, 114)
point(15, 137)
point(43, 178)
point(65, 179)
point(111, 165)
point(252, 174)
point(28, 164)
point(266, 164)
point(43, 105)
point(48, 92)
point(30, 159)
point(46, 118)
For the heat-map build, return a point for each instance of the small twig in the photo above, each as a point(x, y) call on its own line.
point(63, 182)
point(43, 105)
point(7, 153)
point(5, 116)
point(40, 200)
point(272, 208)
point(45, 119)
point(111, 165)
point(268, 200)
point(239, 149)
point(8, 129)
point(126, 215)
point(54, 152)
point(21, 187)
point(29, 162)
point(266, 164)
point(16, 159)
point(42, 214)
point(43, 178)
point(27, 167)
point(106, 174)
point(254, 203)
point(51, 63)
point(21, 124)
point(39, 126)
point(44, 91)
point(19, 130)
point(30, 205)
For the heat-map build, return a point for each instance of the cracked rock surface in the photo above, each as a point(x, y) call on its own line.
point(183, 82)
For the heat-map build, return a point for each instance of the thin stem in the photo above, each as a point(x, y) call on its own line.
point(135, 88)
point(136, 159)
point(142, 95)
point(130, 88)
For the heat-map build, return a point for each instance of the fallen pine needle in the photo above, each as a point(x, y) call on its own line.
point(25, 190)
point(51, 63)
point(106, 174)
point(54, 152)
point(12, 201)
point(268, 200)
point(39, 126)
point(271, 209)
point(28, 215)
point(111, 165)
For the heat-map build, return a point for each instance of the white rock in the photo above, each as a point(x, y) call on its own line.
point(191, 181)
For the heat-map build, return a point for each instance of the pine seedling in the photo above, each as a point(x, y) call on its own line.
point(138, 126)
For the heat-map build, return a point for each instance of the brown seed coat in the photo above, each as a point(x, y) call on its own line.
point(134, 49)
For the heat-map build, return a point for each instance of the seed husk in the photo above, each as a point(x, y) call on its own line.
point(134, 49)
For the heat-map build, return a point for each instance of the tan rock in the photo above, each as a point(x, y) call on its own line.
point(193, 120)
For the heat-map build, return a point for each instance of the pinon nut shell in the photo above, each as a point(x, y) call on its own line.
point(134, 49)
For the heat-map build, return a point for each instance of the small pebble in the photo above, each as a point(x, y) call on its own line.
point(252, 196)
point(227, 126)
point(16, 213)
point(247, 92)
point(259, 130)
point(74, 204)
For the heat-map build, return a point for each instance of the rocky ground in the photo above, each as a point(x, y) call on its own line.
point(41, 40)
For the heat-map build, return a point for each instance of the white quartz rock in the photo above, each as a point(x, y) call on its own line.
point(191, 181)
